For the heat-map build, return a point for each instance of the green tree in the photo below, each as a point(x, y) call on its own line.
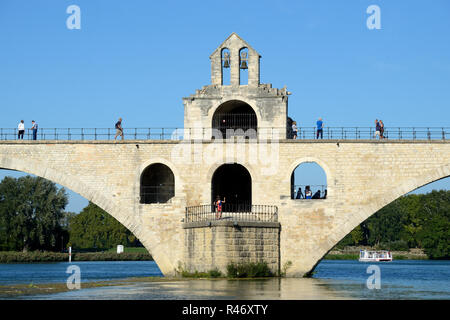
point(94, 228)
point(415, 220)
point(30, 212)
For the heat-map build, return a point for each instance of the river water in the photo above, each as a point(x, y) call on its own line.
point(334, 279)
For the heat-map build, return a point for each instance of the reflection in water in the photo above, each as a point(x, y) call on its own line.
point(408, 279)
point(269, 289)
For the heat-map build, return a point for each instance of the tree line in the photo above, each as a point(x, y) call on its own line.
point(412, 221)
point(33, 217)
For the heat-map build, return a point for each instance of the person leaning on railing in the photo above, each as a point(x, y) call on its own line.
point(218, 203)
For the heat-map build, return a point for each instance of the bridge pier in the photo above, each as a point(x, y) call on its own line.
point(215, 244)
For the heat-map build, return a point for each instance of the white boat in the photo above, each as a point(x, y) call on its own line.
point(374, 256)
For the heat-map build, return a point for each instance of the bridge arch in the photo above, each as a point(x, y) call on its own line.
point(103, 200)
point(366, 211)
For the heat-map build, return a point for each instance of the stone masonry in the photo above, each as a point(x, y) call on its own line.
point(214, 245)
point(362, 177)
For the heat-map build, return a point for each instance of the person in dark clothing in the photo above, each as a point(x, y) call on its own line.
point(325, 194)
point(299, 194)
point(316, 195)
point(119, 129)
point(34, 128)
point(319, 129)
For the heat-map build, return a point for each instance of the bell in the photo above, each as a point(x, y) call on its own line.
point(244, 60)
point(226, 60)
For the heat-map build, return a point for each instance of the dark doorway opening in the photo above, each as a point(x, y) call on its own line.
point(234, 183)
point(237, 116)
point(157, 184)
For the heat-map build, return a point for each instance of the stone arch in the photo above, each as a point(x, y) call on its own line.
point(224, 68)
point(371, 208)
point(157, 184)
point(177, 178)
point(98, 197)
point(235, 114)
point(329, 176)
point(243, 65)
point(233, 182)
point(42, 170)
point(213, 169)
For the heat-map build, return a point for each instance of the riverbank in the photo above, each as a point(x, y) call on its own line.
point(20, 290)
point(46, 256)
point(352, 253)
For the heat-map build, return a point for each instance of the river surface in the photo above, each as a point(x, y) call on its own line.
point(334, 279)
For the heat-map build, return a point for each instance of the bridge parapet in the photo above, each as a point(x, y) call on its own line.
point(270, 133)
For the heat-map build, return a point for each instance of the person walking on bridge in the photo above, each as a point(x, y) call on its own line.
point(377, 129)
point(119, 129)
point(319, 129)
point(381, 129)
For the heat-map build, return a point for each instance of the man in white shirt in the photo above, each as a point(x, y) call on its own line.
point(21, 128)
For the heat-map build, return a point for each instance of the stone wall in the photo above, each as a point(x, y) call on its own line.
point(215, 244)
point(362, 177)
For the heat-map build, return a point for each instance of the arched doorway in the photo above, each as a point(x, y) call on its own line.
point(235, 118)
point(234, 183)
point(157, 184)
point(308, 176)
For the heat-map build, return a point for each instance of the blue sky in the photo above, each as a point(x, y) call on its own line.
point(137, 59)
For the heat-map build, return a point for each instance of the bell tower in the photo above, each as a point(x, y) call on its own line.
point(243, 106)
point(235, 54)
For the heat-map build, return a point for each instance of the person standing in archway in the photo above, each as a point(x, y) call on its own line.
point(219, 203)
point(119, 129)
point(308, 193)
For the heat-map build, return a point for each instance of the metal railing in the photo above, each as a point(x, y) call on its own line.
point(368, 133)
point(233, 212)
point(304, 133)
point(157, 194)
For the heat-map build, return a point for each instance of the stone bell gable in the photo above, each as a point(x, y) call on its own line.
point(239, 104)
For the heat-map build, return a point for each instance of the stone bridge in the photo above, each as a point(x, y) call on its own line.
point(362, 177)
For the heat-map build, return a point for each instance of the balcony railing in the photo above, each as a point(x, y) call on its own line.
point(304, 133)
point(232, 212)
point(157, 194)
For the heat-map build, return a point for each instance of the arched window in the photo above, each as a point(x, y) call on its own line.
point(226, 66)
point(234, 118)
point(157, 184)
point(233, 182)
point(243, 66)
point(309, 177)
